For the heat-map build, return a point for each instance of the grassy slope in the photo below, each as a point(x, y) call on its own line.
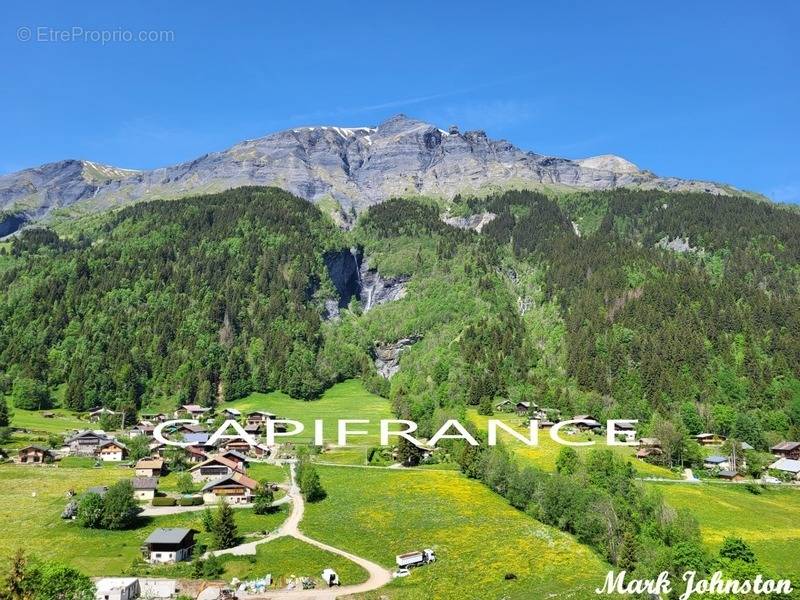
point(346, 400)
point(30, 508)
point(288, 558)
point(544, 455)
point(478, 537)
point(63, 420)
point(768, 522)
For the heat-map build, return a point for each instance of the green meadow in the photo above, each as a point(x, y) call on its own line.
point(769, 522)
point(61, 421)
point(544, 455)
point(346, 400)
point(479, 539)
point(31, 505)
point(287, 558)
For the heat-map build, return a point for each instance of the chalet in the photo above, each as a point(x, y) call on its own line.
point(649, 452)
point(253, 428)
point(187, 428)
point(214, 468)
point(522, 408)
point(35, 455)
point(717, 462)
point(191, 411)
point(424, 451)
point(260, 416)
point(505, 406)
point(117, 588)
point(237, 457)
point(238, 445)
point(243, 447)
point(196, 439)
point(627, 431)
point(232, 413)
point(154, 417)
point(144, 488)
point(710, 439)
point(49, 415)
point(730, 475)
point(149, 467)
point(586, 422)
point(112, 451)
point(169, 545)
point(787, 466)
point(546, 424)
point(543, 414)
point(236, 488)
point(100, 490)
point(86, 443)
point(260, 450)
point(98, 413)
point(789, 450)
point(157, 449)
point(143, 428)
point(195, 454)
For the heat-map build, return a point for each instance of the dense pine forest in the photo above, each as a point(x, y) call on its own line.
point(634, 304)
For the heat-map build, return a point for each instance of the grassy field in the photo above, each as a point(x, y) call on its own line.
point(287, 558)
point(63, 420)
point(478, 537)
point(769, 522)
point(32, 501)
point(544, 455)
point(258, 471)
point(346, 400)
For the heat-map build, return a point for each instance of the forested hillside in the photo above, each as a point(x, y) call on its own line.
point(198, 299)
point(623, 304)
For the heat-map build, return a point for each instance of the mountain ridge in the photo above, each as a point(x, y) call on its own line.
point(354, 167)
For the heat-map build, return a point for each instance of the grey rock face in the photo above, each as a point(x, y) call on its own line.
point(355, 167)
point(376, 289)
point(387, 355)
point(679, 245)
point(475, 222)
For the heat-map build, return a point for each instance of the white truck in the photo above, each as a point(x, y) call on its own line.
point(330, 577)
point(415, 559)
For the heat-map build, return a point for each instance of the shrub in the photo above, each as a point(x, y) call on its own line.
point(191, 501)
point(162, 501)
point(119, 506)
point(752, 487)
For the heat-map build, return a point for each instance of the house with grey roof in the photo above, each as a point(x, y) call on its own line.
point(169, 545)
point(144, 488)
point(717, 462)
point(787, 466)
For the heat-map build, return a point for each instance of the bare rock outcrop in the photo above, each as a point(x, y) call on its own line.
point(387, 355)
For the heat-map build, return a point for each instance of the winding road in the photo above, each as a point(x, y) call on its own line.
point(378, 576)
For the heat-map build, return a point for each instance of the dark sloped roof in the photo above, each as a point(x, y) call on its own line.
point(168, 535)
point(145, 483)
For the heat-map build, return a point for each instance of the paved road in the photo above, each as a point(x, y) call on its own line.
point(378, 576)
point(160, 511)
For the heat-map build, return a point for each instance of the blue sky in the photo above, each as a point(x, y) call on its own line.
point(706, 90)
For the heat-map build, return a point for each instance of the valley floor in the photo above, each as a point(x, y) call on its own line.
point(485, 548)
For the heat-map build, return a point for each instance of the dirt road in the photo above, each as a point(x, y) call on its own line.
point(378, 576)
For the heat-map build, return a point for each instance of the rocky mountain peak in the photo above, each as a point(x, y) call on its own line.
point(609, 162)
point(354, 167)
